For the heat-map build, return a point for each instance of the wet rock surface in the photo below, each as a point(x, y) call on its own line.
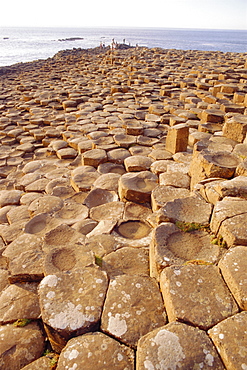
point(123, 211)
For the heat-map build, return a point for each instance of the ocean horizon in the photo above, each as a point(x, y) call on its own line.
point(25, 44)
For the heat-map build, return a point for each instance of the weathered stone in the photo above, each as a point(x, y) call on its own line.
point(236, 187)
point(177, 345)
point(62, 235)
point(108, 181)
point(126, 260)
point(42, 363)
point(137, 163)
point(82, 178)
point(106, 168)
point(102, 244)
point(103, 227)
point(25, 258)
point(125, 141)
point(163, 194)
point(137, 187)
point(72, 312)
point(71, 212)
point(232, 267)
point(96, 351)
point(108, 211)
point(66, 153)
point(129, 297)
point(118, 155)
point(40, 224)
point(171, 246)
point(136, 211)
point(98, 196)
point(207, 164)
point(52, 184)
point(190, 209)
point(10, 197)
point(19, 301)
point(67, 258)
point(19, 213)
point(176, 179)
point(94, 157)
point(37, 186)
point(235, 128)
point(14, 353)
point(45, 204)
point(85, 226)
point(229, 337)
point(10, 232)
point(159, 167)
point(242, 168)
point(228, 220)
point(197, 295)
point(177, 138)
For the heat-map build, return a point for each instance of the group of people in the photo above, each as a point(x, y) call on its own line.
point(114, 44)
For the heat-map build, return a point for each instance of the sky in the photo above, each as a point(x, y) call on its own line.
point(209, 14)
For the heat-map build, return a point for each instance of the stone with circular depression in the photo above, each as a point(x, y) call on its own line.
point(133, 229)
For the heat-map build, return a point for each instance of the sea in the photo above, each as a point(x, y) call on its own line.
point(28, 44)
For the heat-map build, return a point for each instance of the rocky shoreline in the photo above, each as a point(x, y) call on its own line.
point(123, 211)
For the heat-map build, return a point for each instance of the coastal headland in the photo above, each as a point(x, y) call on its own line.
point(123, 211)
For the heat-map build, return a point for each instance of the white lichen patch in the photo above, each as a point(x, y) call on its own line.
point(71, 354)
point(148, 365)
point(116, 325)
point(50, 294)
point(169, 350)
point(50, 281)
point(71, 317)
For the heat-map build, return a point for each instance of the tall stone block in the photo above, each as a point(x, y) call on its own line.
point(177, 138)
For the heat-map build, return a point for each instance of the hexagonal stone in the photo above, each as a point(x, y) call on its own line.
point(94, 157)
point(71, 212)
point(163, 194)
point(108, 181)
point(62, 235)
point(10, 197)
point(45, 204)
point(67, 312)
point(83, 177)
point(95, 351)
point(172, 246)
point(137, 187)
point(188, 209)
point(98, 196)
point(19, 301)
point(230, 339)
point(108, 211)
point(118, 155)
point(125, 141)
point(207, 164)
point(126, 260)
point(176, 179)
point(196, 295)
point(14, 353)
point(137, 163)
point(25, 258)
point(229, 220)
point(235, 128)
point(177, 346)
point(133, 307)
point(67, 153)
point(233, 269)
point(236, 187)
